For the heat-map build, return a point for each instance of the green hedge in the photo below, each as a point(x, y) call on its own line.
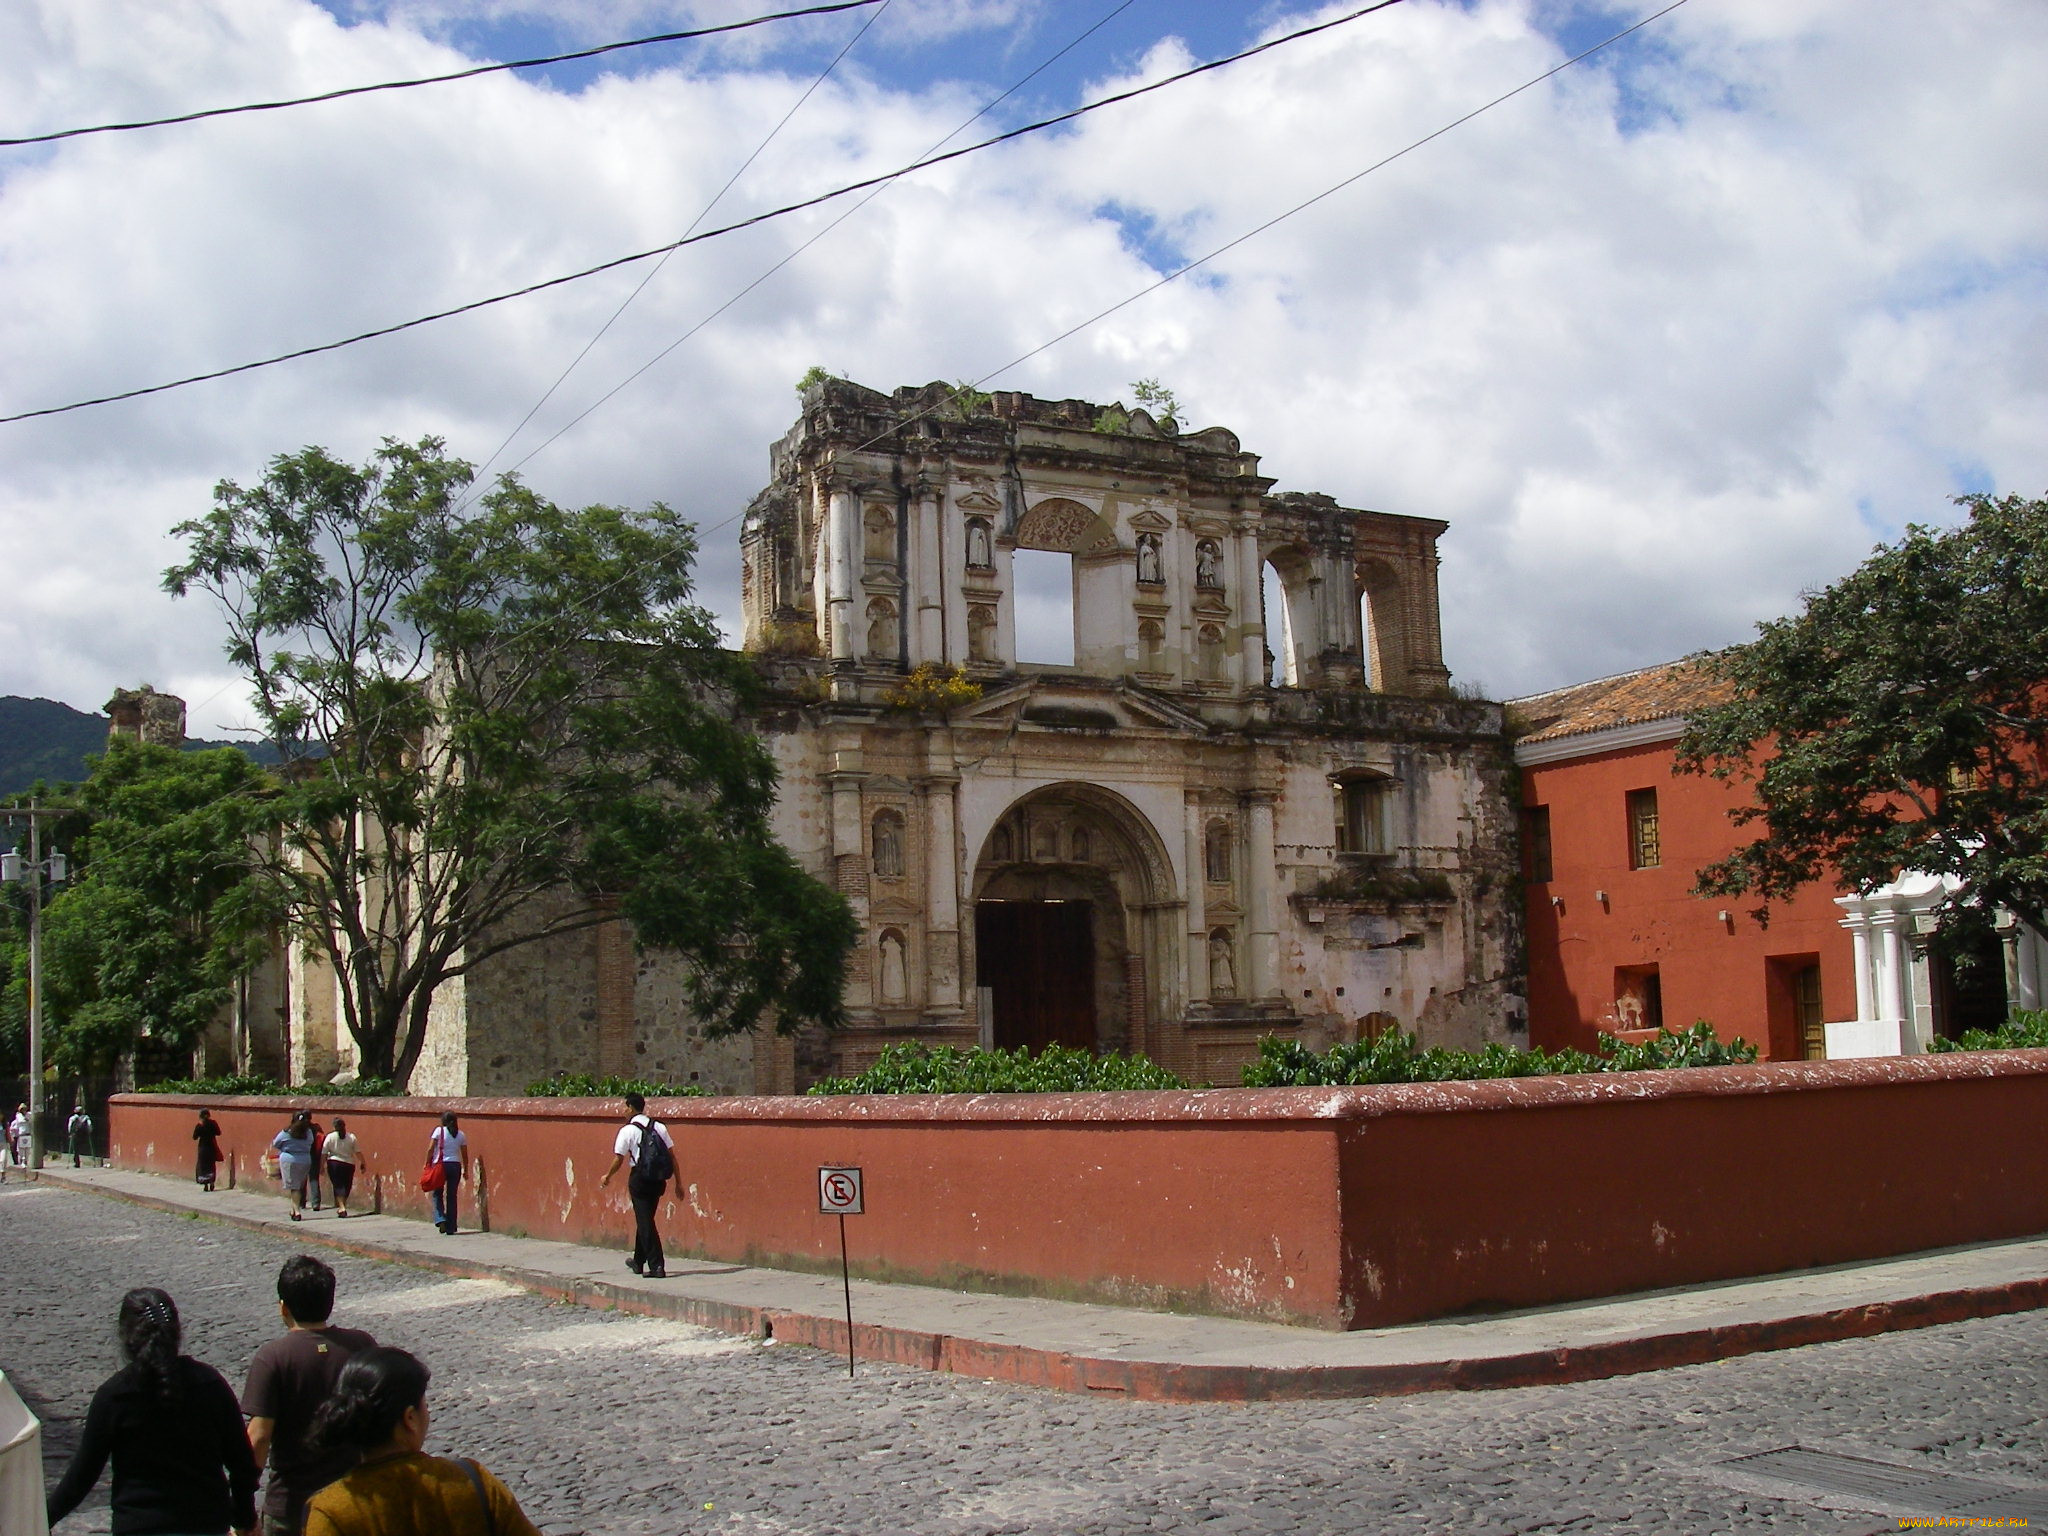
point(582, 1085)
point(919, 1068)
point(270, 1088)
point(2026, 1029)
point(1393, 1058)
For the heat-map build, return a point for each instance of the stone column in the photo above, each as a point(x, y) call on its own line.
point(1245, 604)
point(1859, 939)
point(1891, 983)
point(942, 892)
point(1259, 878)
point(924, 581)
point(850, 871)
point(1198, 912)
point(842, 550)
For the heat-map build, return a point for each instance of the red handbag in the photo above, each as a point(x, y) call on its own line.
point(432, 1177)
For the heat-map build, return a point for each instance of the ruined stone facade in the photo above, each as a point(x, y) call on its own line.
point(1215, 824)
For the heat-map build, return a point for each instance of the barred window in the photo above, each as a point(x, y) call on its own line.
point(1645, 847)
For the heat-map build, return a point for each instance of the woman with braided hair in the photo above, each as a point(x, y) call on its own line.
point(378, 1409)
point(182, 1465)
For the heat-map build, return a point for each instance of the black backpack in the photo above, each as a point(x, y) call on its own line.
point(654, 1163)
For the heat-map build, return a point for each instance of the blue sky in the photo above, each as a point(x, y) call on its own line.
point(1666, 340)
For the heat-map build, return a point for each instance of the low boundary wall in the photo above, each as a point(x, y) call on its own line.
point(1331, 1207)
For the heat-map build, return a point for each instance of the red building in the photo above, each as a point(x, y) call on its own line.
point(1612, 841)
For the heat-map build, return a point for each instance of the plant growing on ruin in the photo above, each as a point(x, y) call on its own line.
point(932, 688)
point(501, 722)
point(1160, 401)
point(814, 375)
point(584, 1085)
point(1899, 722)
point(967, 401)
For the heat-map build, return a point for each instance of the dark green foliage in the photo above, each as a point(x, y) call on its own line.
point(503, 720)
point(1393, 1058)
point(2027, 1029)
point(162, 913)
point(252, 1086)
point(1899, 722)
point(919, 1068)
point(582, 1085)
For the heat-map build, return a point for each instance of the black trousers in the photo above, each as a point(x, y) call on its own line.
point(646, 1241)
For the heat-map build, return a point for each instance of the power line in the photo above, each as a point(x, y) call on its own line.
point(987, 108)
point(1252, 233)
point(702, 214)
point(460, 74)
point(709, 234)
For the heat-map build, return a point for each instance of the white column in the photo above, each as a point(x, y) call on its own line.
point(1859, 938)
point(924, 583)
point(1244, 604)
point(1198, 914)
point(842, 543)
point(1892, 975)
point(942, 892)
point(1259, 880)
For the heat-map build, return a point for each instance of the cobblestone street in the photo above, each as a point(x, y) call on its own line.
point(614, 1425)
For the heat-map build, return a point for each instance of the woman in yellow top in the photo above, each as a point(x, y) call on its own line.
point(379, 1408)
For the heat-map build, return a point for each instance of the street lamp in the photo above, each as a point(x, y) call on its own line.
point(33, 874)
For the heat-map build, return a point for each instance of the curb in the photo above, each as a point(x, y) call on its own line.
point(1169, 1381)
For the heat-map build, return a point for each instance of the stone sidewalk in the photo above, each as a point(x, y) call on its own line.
point(1078, 1347)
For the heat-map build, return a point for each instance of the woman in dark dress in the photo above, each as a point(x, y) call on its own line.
point(174, 1432)
point(207, 1134)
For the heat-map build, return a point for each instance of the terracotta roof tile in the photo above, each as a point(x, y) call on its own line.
point(1669, 691)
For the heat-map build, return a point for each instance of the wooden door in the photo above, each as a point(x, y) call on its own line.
point(1037, 958)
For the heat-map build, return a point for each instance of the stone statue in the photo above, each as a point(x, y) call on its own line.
point(1149, 572)
point(888, 846)
point(895, 980)
point(1209, 565)
point(980, 556)
point(1222, 968)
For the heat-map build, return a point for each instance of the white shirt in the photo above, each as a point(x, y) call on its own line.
point(338, 1148)
point(445, 1145)
point(628, 1143)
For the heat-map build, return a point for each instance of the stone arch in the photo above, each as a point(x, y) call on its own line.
point(1383, 619)
point(1073, 895)
point(1294, 634)
point(1067, 527)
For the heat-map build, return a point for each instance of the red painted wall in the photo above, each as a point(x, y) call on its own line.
point(1331, 1207)
point(1711, 970)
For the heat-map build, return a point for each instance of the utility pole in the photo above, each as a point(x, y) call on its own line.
point(34, 874)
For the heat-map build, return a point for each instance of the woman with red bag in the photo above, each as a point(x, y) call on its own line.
point(449, 1148)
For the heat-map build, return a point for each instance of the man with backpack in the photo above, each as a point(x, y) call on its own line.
point(645, 1143)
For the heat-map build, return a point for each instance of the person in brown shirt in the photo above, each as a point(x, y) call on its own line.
point(379, 1412)
point(288, 1380)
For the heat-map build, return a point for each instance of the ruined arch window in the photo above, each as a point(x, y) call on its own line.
point(1209, 565)
point(1363, 801)
point(981, 551)
point(882, 639)
point(886, 844)
point(894, 968)
point(1151, 646)
point(981, 633)
point(1222, 963)
point(1216, 853)
point(1209, 653)
point(1151, 567)
point(880, 527)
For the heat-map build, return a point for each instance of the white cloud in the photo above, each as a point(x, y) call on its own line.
point(1664, 346)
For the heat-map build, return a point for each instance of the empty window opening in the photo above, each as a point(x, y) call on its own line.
point(1645, 842)
point(1043, 581)
point(1638, 997)
point(1280, 664)
point(1361, 815)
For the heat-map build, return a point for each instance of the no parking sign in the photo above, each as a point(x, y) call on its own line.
point(839, 1192)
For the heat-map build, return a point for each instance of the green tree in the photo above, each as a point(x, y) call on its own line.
point(162, 913)
point(499, 725)
point(1899, 722)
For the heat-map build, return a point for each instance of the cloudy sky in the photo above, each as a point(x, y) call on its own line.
point(1666, 340)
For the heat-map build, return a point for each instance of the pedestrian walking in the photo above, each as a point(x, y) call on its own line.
point(79, 1128)
point(378, 1412)
point(19, 1140)
point(170, 1426)
point(645, 1144)
point(206, 1140)
point(294, 1148)
point(341, 1155)
point(288, 1380)
point(313, 1173)
point(450, 1148)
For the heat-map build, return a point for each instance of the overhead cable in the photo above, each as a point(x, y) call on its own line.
point(460, 74)
point(709, 234)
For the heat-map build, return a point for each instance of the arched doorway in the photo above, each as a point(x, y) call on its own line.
point(1071, 925)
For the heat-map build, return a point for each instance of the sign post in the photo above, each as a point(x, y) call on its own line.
point(839, 1194)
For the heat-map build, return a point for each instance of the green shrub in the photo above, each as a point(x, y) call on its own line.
point(251, 1085)
point(2026, 1029)
point(582, 1085)
point(919, 1068)
point(1393, 1058)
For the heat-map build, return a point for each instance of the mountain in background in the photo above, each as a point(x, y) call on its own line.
point(43, 739)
